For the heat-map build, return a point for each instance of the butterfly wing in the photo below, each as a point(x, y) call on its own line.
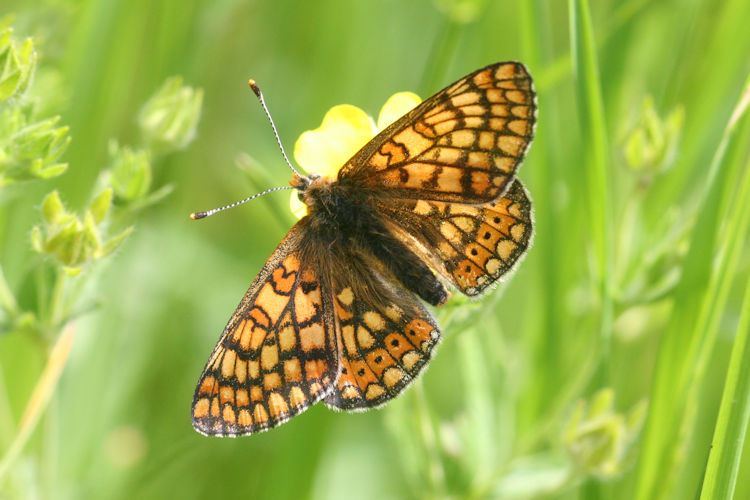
point(385, 336)
point(277, 354)
point(463, 144)
point(471, 246)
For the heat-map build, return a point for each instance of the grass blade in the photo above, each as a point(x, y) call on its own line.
point(731, 426)
point(596, 164)
point(734, 412)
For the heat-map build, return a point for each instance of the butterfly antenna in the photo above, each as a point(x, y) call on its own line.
point(259, 94)
point(202, 215)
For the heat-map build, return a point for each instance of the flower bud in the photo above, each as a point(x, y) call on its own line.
point(17, 64)
point(649, 143)
point(68, 239)
point(598, 438)
point(31, 151)
point(130, 172)
point(170, 117)
point(461, 11)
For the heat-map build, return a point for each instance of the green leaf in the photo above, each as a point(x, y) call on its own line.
point(8, 84)
point(50, 171)
point(725, 456)
point(115, 242)
point(130, 174)
point(17, 65)
point(91, 238)
point(100, 205)
point(37, 239)
point(53, 210)
point(65, 244)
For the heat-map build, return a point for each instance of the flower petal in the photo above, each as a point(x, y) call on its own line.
point(397, 106)
point(299, 209)
point(345, 129)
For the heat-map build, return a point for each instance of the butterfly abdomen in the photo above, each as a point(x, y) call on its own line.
point(348, 217)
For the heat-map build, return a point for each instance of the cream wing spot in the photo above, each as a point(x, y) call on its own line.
point(269, 357)
point(227, 365)
point(346, 296)
point(364, 338)
point(421, 208)
point(493, 266)
point(312, 337)
point(465, 99)
point(240, 370)
point(373, 320)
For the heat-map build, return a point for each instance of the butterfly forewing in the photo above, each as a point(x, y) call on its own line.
point(277, 355)
point(463, 144)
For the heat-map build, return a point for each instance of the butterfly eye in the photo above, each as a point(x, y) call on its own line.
point(301, 196)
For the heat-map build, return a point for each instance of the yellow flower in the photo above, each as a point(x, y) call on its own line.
point(345, 129)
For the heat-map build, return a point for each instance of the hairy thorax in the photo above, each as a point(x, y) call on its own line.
point(346, 217)
point(336, 208)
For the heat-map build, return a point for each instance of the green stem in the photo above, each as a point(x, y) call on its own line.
point(42, 293)
point(7, 299)
point(39, 398)
point(7, 425)
point(57, 301)
point(429, 439)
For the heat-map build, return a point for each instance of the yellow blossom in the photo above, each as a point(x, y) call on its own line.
point(344, 130)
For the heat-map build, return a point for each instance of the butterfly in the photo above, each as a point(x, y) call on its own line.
point(335, 313)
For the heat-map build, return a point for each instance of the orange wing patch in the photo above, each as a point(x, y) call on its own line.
point(463, 144)
point(385, 338)
point(277, 355)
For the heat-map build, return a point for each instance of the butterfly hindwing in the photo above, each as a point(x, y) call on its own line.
point(463, 144)
point(386, 336)
point(471, 246)
point(277, 354)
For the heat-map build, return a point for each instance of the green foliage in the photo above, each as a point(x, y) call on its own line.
point(613, 365)
point(598, 438)
point(17, 63)
point(649, 144)
point(68, 244)
point(71, 241)
point(170, 117)
point(130, 172)
point(29, 146)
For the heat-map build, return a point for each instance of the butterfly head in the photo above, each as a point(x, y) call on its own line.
point(317, 192)
point(302, 182)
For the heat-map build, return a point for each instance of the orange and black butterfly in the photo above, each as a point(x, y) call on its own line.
point(334, 313)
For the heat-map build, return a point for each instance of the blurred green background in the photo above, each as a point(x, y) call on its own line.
point(631, 297)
